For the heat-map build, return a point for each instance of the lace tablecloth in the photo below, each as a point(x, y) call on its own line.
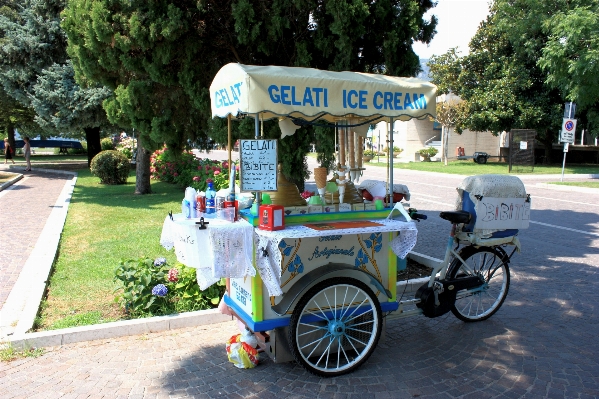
point(268, 256)
point(223, 249)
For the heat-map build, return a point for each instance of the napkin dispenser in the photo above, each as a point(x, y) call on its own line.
point(272, 217)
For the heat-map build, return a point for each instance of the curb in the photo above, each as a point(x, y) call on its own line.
point(116, 329)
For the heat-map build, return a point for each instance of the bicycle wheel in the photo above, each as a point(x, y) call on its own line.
point(491, 265)
point(335, 327)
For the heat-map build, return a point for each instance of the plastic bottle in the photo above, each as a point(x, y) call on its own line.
point(186, 209)
point(210, 201)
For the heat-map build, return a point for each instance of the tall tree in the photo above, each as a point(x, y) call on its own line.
point(62, 105)
point(160, 57)
point(571, 57)
point(13, 116)
point(500, 79)
point(34, 63)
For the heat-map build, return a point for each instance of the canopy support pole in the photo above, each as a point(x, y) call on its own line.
point(257, 136)
point(229, 140)
point(390, 158)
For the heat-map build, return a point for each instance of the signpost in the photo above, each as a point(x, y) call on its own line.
point(568, 130)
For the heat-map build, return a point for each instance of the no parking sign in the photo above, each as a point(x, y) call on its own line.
point(568, 130)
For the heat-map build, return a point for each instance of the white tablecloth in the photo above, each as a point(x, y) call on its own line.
point(223, 249)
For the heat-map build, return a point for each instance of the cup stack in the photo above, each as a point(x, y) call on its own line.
point(320, 176)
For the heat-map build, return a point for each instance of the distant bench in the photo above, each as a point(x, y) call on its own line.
point(63, 145)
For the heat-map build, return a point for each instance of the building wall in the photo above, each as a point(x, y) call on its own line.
point(411, 136)
point(472, 142)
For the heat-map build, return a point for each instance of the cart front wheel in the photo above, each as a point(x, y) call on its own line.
point(491, 266)
point(335, 327)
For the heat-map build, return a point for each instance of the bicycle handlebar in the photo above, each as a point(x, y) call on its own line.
point(413, 212)
point(418, 216)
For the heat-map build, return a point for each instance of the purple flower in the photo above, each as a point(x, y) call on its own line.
point(159, 290)
point(159, 261)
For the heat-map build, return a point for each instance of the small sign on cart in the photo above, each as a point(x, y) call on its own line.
point(258, 165)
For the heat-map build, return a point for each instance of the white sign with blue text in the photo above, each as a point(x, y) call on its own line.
point(308, 93)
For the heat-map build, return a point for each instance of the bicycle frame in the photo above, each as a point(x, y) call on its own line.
point(441, 270)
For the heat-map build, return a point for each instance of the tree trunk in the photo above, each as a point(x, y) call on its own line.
point(10, 134)
point(548, 144)
point(92, 136)
point(142, 169)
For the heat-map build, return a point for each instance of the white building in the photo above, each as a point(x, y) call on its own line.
point(414, 135)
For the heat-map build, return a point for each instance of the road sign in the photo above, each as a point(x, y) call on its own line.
point(566, 147)
point(568, 130)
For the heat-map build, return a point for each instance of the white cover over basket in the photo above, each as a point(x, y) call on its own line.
point(500, 203)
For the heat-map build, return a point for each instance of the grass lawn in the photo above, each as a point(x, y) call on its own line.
point(589, 184)
point(471, 168)
point(4, 177)
point(104, 225)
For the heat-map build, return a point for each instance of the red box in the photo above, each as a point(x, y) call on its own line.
point(272, 217)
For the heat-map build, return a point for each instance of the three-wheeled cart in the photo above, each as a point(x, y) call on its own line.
point(317, 290)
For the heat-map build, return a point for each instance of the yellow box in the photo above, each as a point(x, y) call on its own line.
point(369, 206)
point(344, 207)
point(330, 208)
point(314, 208)
point(296, 210)
point(357, 207)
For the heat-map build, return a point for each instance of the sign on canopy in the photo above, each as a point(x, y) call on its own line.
point(306, 93)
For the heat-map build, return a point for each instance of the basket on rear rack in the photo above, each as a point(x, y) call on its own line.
point(499, 208)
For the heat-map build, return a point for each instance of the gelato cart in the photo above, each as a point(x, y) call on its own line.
point(313, 280)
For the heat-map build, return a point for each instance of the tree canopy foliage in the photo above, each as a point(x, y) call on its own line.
point(160, 57)
point(35, 70)
point(571, 57)
point(502, 79)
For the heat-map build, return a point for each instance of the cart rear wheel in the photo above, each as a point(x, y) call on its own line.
point(335, 327)
point(492, 267)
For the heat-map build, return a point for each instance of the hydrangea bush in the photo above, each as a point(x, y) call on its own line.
point(186, 170)
point(152, 288)
point(127, 147)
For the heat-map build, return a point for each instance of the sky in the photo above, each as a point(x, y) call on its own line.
point(458, 22)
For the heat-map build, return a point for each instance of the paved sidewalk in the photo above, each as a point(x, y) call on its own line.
point(34, 209)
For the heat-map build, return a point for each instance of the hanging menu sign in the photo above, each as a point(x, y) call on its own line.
point(258, 165)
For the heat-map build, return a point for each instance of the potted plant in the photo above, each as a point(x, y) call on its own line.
point(396, 151)
point(428, 153)
point(367, 155)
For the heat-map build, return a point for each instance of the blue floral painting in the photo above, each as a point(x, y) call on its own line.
point(295, 264)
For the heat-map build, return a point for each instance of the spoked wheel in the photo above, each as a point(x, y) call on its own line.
point(335, 327)
point(491, 266)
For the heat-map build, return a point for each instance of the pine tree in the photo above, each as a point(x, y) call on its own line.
point(35, 70)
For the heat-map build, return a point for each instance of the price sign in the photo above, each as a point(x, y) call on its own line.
point(258, 165)
point(568, 130)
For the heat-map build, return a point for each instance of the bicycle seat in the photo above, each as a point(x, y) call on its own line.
point(456, 216)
